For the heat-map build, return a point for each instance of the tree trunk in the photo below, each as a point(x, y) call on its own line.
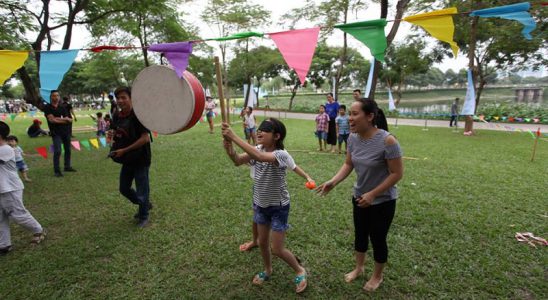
point(342, 58)
point(293, 93)
point(400, 9)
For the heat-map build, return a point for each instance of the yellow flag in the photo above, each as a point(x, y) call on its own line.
point(439, 24)
point(10, 61)
point(94, 143)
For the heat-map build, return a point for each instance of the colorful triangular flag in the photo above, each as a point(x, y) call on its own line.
point(94, 143)
point(85, 143)
point(43, 151)
point(176, 53)
point(53, 66)
point(439, 24)
point(76, 145)
point(10, 61)
point(370, 33)
point(103, 141)
point(297, 48)
point(518, 12)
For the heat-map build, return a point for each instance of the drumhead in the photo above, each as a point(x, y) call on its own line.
point(162, 101)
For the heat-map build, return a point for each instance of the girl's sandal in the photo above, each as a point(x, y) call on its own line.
point(260, 278)
point(38, 237)
point(300, 283)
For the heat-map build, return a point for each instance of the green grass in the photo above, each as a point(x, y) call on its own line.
point(461, 202)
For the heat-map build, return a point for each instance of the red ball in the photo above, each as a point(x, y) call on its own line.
point(310, 185)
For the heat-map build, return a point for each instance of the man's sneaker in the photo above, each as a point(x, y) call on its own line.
point(142, 223)
point(5, 250)
point(58, 174)
point(70, 169)
point(150, 206)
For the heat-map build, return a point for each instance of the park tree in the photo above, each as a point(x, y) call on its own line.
point(232, 16)
point(494, 44)
point(35, 26)
point(327, 14)
point(451, 77)
point(404, 62)
point(260, 64)
point(145, 22)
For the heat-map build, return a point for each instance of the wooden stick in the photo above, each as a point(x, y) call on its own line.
point(220, 88)
point(535, 146)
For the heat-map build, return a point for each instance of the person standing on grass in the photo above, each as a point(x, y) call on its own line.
point(454, 112)
point(101, 125)
point(332, 110)
point(343, 128)
point(59, 123)
point(11, 197)
point(270, 162)
point(249, 125)
point(322, 127)
point(357, 94)
point(376, 157)
point(209, 107)
point(22, 167)
point(131, 148)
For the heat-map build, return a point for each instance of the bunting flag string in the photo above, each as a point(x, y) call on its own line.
point(439, 24)
point(10, 61)
point(53, 66)
point(518, 12)
point(176, 53)
point(297, 48)
point(241, 35)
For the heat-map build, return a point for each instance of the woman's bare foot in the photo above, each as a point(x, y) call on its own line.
point(349, 277)
point(372, 284)
point(248, 246)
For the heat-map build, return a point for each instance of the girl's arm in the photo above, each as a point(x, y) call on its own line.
point(302, 173)
point(341, 175)
point(395, 168)
point(238, 159)
point(249, 149)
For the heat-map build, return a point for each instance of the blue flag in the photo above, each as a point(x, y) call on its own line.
point(53, 66)
point(470, 100)
point(518, 12)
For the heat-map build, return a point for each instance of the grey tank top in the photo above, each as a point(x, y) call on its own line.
point(369, 159)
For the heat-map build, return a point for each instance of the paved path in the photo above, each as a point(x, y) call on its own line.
point(418, 122)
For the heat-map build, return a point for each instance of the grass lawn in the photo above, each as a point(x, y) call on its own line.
point(461, 201)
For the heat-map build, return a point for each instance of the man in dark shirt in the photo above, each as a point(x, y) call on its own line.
point(59, 121)
point(131, 148)
point(454, 112)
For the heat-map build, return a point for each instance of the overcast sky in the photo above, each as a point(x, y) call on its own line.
point(278, 8)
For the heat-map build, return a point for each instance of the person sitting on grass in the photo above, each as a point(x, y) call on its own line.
point(35, 130)
point(269, 161)
point(19, 161)
point(11, 197)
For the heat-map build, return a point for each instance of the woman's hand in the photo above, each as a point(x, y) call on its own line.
point(325, 188)
point(365, 200)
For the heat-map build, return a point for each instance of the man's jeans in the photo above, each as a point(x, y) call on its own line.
point(57, 141)
point(139, 195)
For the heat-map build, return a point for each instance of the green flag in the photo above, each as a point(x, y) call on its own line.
point(86, 144)
point(12, 116)
point(370, 33)
point(240, 35)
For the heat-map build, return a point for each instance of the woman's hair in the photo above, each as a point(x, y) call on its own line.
point(369, 106)
point(275, 126)
point(4, 130)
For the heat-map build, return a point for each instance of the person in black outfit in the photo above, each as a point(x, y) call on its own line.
point(113, 105)
point(66, 104)
point(59, 122)
point(131, 148)
point(35, 130)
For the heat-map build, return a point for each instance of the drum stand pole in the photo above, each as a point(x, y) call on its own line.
point(220, 88)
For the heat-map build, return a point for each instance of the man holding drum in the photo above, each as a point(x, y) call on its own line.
point(131, 148)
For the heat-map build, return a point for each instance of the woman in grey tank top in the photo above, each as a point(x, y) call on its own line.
point(376, 157)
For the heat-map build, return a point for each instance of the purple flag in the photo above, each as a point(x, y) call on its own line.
point(176, 53)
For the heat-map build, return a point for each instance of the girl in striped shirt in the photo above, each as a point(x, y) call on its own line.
point(376, 157)
point(270, 194)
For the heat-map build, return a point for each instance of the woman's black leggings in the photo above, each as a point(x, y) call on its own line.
point(373, 222)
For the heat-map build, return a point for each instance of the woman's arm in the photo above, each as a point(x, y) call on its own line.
point(341, 175)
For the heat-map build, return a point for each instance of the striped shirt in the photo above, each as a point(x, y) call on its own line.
point(269, 184)
point(344, 125)
point(322, 121)
point(369, 159)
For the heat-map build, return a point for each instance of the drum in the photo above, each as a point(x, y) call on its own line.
point(166, 103)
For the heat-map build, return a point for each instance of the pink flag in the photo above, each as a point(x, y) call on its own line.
point(76, 145)
point(297, 48)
